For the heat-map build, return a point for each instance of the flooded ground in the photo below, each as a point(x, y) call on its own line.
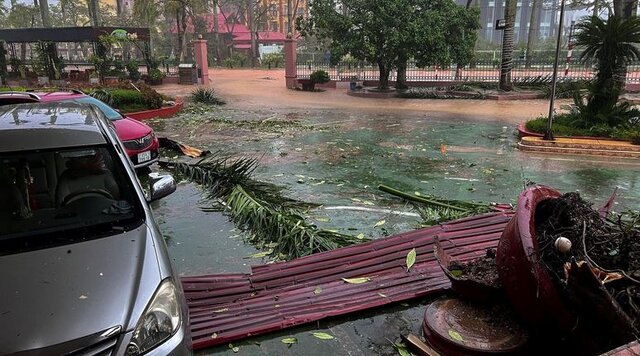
point(337, 158)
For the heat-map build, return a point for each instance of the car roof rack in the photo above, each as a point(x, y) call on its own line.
point(31, 95)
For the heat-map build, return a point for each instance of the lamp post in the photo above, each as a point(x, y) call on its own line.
point(548, 135)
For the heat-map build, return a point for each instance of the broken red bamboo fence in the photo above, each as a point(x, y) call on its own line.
point(228, 307)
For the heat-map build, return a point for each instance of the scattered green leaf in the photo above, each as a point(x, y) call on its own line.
point(455, 335)
point(360, 236)
point(289, 340)
point(358, 280)
point(380, 223)
point(261, 254)
point(323, 336)
point(401, 348)
point(317, 291)
point(456, 272)
point(411, 258)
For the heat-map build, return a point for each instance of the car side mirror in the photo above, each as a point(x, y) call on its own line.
point(160, 186)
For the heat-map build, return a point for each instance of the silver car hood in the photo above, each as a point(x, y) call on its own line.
point(55, 295)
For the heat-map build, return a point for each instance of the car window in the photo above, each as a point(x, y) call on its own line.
point(58, 197)
point(107, 110)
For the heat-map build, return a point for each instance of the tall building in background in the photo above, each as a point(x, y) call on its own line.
point(549, 15)
point(277, 19)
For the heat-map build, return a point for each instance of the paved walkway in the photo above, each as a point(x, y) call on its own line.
point(249, 89)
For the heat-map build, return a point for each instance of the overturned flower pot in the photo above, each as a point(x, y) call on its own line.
point(549, 278)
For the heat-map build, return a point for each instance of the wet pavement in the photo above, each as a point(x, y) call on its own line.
point(337, 158)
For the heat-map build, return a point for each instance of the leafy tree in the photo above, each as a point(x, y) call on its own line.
point(612, 44)
point(389, 32)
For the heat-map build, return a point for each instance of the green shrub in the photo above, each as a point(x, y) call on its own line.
point(240, 59)
point(273, 60)
point(156, 74)
point(566, 89)
point(229, 63)
point(152, 98)
point(565, 125)
point(132, 69)
point(126, 96)
point(206, 96)
point(319, 77)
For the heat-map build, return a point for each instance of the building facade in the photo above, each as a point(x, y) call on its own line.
point(548, 17)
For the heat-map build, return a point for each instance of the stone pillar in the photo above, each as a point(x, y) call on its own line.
point(290, 70)
point(202, 64)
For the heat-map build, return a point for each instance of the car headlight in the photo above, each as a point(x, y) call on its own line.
point(158, 322)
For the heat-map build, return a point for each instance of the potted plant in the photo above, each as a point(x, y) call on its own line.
point(155, 76)
point(317, 77)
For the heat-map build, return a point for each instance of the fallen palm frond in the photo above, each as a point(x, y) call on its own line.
point(271, 220)
point(434, 210)
point(284, 230)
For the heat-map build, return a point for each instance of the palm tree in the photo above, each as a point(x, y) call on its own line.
point(507, 45)
point(611, 44)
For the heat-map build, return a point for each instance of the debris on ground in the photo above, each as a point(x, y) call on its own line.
point(597, 270)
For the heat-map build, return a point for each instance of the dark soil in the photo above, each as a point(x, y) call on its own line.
point(612, 245)
point(482, 270)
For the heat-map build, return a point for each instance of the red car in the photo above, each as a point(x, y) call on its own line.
point(139, 139)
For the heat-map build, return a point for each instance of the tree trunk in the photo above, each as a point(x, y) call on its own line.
point(507, 46)
point(44, 12)
point(595, 8)
point(183, 35)
point(216, 35)
point(629, 8)
point(179, 36)
point(254, 34)
point(534, 26)
point(94, 12)
point(384, 70)
point(401, 78)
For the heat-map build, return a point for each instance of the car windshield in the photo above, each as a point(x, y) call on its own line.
point(63, 196)
point(107, 110)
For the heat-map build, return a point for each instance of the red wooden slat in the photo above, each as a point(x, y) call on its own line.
point(281, 295)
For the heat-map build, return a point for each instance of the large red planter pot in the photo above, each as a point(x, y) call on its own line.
point(527, 283)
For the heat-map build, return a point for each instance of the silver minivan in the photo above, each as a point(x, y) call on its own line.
point(84, 269)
